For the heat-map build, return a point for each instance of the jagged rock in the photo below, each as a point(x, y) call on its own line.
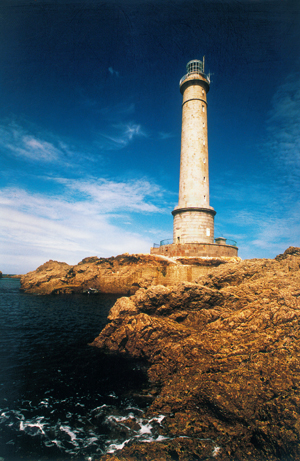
point(291, 251)
point(225, 351)
point(123, 274)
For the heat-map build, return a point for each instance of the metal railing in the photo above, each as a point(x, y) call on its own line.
point(166, 242)
point(207, 76)
point(224, 241)
point(195, 239)
point(231, 242)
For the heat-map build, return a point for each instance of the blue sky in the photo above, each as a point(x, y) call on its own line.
point(90, 120)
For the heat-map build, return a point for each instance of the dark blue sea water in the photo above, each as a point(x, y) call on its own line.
point(61, 399)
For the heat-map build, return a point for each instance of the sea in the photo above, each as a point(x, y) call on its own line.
point(61, 399)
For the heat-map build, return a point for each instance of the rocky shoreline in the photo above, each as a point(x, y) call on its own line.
point(123, 274)
point(224, 361)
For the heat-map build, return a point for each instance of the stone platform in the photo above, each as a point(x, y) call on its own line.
point(195, 249)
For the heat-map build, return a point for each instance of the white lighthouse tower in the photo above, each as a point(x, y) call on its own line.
point(194, 217)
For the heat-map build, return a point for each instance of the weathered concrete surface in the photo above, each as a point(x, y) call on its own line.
point(224, 355)
point(123, 274)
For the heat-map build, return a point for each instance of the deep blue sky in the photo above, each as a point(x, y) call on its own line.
point(90, 121)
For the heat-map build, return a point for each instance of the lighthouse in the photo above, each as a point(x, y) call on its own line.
point(193, 216)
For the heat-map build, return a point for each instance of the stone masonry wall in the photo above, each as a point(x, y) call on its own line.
point(193, 226)
point(196, 249)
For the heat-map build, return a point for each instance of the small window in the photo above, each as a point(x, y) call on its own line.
point(208, 232)
point(203, 142)
point(203, 123)
point(202, 108)
point(204, 178)
point(204, 160)
point(202, 91)
point(178, 239)
point(204, 198)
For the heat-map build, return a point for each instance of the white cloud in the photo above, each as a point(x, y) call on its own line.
point(17, 141)
point(284, 127)
point(113, 72)
point(43, 147)
point(90, 219)
point(109, 196)
point(260, 214)
point(123, 134)
point(261, 210)
point(117, 110)
point(164, 135)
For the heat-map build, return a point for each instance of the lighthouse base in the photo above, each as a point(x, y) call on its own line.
point(195, 249)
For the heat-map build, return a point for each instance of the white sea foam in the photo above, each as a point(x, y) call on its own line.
point(216, 451)
point(34, 426)
point(92, 440)
point(68, 431)
point(78, 432)
point(129, 407)
point(119, 419)
point(50, 443)
point(45, 403)
point(101, 407)
point(3, 417)
point(146, 432)
point(114, 447)
point(160, 438)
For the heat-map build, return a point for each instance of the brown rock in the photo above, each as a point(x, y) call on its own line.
point(123, 306)
point(123, 274)
point(225, 351)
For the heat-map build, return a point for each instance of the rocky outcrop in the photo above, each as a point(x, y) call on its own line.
point(224, 358)
point(123, 274)
point(0, 274)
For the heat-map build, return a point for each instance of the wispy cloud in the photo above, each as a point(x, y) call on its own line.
point(110, 196)
point(42, 147)
point(262, 215)
point(20, 142)
point(283, 142)
point(17, 141)
point(164, 135)
point(121, 135)
point(261, 209)
point(113, 72)
point(117, 110)
point(91, 217)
